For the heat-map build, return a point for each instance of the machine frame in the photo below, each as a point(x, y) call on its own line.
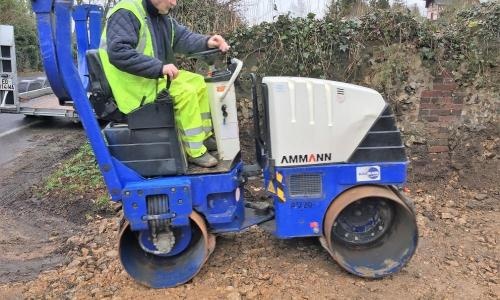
point(203, 204)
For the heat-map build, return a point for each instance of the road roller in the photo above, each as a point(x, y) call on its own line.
point(329, 153)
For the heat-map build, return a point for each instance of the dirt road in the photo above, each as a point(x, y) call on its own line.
point(457, 258)
point(30, 233)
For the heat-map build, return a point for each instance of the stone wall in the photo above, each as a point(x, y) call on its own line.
point(440, 109)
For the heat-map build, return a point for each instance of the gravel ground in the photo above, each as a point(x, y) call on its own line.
point(457, 258)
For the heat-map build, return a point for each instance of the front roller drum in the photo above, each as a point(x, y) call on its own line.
point(370, 231)
point(166, 271)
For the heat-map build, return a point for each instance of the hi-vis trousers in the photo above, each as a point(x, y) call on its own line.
point(192, 111)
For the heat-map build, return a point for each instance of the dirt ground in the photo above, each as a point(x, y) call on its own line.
point(30, 226)
point(458, 257)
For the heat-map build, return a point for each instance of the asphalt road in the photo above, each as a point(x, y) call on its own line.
point(17, 133)
point(14, 135)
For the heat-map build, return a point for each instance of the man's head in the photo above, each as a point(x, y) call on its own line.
point(164, 6)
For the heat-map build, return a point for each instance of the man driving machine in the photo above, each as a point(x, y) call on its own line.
point(137, 52)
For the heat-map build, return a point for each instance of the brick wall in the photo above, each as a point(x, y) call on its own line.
point(440, 108)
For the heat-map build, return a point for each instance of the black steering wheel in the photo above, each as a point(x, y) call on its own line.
point(208, 56)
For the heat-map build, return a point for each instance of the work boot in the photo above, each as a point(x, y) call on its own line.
point(211, 144)
point(205, 161)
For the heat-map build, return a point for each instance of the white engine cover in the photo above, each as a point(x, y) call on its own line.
point(315, 121)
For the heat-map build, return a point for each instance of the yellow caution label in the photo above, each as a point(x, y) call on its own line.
point(270, 188)
point(279, 177)
point(280, 194)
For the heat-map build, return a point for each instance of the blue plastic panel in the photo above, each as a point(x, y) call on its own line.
point(303, 216)
point(178, 191)
point(217, 196)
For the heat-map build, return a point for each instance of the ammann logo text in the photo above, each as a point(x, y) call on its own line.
point(306, 158)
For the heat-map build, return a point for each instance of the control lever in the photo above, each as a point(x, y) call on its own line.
point(239, 66)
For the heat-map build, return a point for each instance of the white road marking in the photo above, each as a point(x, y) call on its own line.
point(13, 130)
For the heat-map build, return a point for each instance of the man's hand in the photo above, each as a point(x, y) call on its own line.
point(217, 41)
point(171, 71)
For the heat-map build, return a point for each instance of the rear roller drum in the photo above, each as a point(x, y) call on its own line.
point(370, 231)
point(172, 269)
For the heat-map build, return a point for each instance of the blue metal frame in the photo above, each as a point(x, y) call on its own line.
point(215, 196)
point(303, 216)
point(218, 197)
point(88, 18)
point(46, 36)
point(109, 167)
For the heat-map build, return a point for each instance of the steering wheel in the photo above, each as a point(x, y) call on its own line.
point(208, 56)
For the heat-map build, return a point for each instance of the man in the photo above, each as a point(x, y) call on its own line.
point(137, 53)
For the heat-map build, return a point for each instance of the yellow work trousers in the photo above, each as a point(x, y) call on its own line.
point(192, 111)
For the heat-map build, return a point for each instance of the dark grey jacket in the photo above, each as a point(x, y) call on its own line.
point(122, 36)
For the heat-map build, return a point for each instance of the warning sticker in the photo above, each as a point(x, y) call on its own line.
point(270, 188)
point(280, 194)
point(279, 177)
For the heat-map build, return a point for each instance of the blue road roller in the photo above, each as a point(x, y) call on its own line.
point(329, 154)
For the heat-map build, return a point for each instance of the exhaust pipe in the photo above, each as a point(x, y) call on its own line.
point(158, 271)
point(370, 231)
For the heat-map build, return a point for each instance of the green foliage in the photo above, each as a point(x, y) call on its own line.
point(391, 67)
point(102, 203)
point(295, 46)
point(77, 175)
point(77, 178)
point(208, 16)
point(380, 4)
point(399, 5)
point(342, 49)
point(327, 48)
point(451, 8)
point(18, 14)
point(344, 8)
point(471, 40)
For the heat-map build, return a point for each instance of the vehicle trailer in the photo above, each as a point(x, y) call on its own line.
point(330, 153)
point(46, 96)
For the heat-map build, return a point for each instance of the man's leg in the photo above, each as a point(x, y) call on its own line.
point(185, 90)
point(206, 118)
point(204, 106)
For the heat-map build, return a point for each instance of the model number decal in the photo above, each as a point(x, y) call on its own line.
point(301, 205)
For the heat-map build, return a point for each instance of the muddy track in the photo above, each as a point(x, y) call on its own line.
point(30, 237)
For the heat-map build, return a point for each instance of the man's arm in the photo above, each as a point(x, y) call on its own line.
point(187, 42)
point(122, 36)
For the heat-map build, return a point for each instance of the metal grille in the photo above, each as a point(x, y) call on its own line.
point(308, 185)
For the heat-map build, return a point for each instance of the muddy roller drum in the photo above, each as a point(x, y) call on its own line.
point(370, 231)
point(159, 271)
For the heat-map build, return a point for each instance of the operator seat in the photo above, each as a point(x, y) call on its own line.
point(146, 139)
